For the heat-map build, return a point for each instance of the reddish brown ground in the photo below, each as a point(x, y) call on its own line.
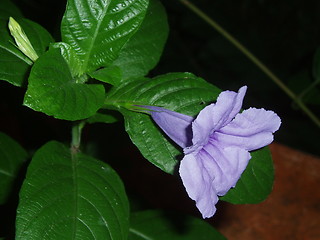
point(292, 211)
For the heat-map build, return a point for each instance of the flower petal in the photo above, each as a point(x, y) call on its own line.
point(216, 116)
point(251, 130)
point(197, 182)
point(176, 125)
point(224, 164)
point(211, 173)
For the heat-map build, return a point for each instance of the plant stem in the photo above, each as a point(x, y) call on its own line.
point(76, 136)
point(254, 59)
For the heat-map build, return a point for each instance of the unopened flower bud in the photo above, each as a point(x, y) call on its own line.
point(22, 40)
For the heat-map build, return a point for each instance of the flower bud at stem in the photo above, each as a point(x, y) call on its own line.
point(22, 40)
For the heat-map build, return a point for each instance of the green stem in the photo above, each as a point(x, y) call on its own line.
point(254, 59)
point(76, 136)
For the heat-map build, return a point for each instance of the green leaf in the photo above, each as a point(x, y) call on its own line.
point(181, 92)
point(256, 182)
point(143, 51)
point(53, 91)
point(68, 195)
point(112, 75)
point(14, 65)
point(158, 225)
point(12, 157)
point(71, 58)
point(97, 30)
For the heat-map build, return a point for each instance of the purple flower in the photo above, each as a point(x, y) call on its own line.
point(216, 144)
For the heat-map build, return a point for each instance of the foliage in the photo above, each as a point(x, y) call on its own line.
point(101, 65)
point(92, 203)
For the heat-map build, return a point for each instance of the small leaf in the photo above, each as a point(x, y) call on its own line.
point(12, 157)
point(143, 51)
point(158, 225)
point(14, 65)
point(112, 75)
point(256, 182)
point(53, 91)
point(97, 30)
point(181, 92)
point(72, 196)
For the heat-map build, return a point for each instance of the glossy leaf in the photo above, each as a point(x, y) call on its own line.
point(143, 51)
point(53, 90)
point(181, 92)
point(14, 65)
point(68, 195)
point(111, 75)
point(97, 30)
point(71, 58)
point(12, 157)
point(157, 225)
point(256, 182)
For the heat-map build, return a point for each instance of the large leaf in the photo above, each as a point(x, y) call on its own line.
point(14, 65)
point(256, 182)
point(157, 225)
point(181, 92)
point(12, 157)
point(142, 52)
point(97, 30)
point(68, 195)
point(53, 90)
